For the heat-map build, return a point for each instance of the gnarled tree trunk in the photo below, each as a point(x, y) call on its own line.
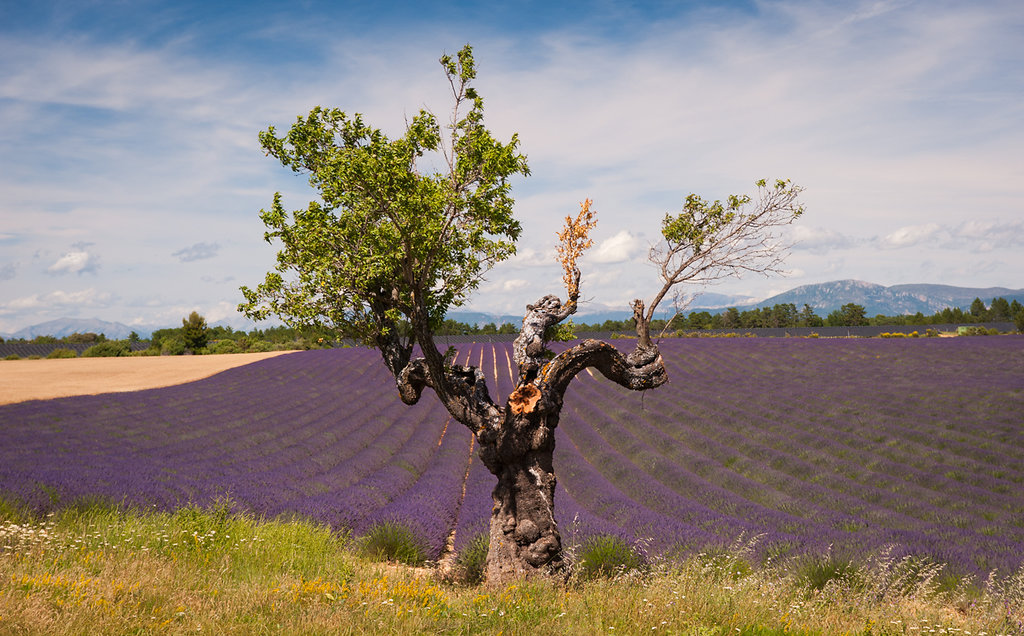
point(517, 440)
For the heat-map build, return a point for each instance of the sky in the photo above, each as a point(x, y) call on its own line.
point(131, 177)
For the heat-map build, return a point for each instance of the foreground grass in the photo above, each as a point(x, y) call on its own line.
point(99, 570)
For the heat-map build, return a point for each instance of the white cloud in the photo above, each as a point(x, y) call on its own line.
point(514, 284)
point(984, 236)
point(197, 252)
point(220, 312)
point(913, 235)
point(74, 262)
point(621, 247)
point(57, 300)
point(529, 257)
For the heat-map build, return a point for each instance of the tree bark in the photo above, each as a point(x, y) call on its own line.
point(517, 441)
point(524, 538)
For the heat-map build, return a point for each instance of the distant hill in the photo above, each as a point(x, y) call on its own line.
point(62, 327)
point(878, 299)
point(591, 313)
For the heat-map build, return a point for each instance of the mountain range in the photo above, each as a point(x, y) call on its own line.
point(878, 299)
point(822, 297)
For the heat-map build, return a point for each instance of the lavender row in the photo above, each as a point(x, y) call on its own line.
point(852, 457)
point(707, 382)
point(861, 443)
point(290, 434)
point(871, 527)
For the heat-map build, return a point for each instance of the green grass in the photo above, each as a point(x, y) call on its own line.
point(607, 556)
point(393, 541)
point(97, 569)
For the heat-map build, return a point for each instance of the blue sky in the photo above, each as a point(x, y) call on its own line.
point(131, 176)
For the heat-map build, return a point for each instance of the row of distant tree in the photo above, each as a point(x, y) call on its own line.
point(851, 315)
point(194, 336)
point(784, 316)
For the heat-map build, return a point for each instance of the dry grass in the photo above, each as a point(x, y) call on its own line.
point(22, 380)
point(108, 571)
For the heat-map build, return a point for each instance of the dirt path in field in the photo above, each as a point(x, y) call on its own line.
point(44, 379)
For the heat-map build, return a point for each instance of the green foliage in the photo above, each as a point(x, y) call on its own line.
point(386, 239)
point(786, 315)
point(849, 315)
point(393, 541)
point(82, 338)
point(1019, 321)
point(471, 563)
point(61, 352)
point(976, 331)
point(108, 349)
point(978, 308)
point(605, 556)
point(561, 332)
point(701, 220)
point(194, 332)
point(224, 346)
point(173, 345)
point(12, 356)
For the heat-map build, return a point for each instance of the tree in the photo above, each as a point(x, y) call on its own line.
point(849, 315)
point(1000, 309)
point(390, 247)
point(978, 309)
point(194, 331)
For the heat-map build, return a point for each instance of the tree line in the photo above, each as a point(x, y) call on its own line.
point(781, 315)
point(851, 315)
point(194, 336)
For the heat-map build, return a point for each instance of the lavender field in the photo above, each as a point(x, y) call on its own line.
point(856, 444)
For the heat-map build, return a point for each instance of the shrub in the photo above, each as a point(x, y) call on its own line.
point(394, 541)
point(813, 573)
point(12, 356)
point(173, 346)
point(108, 349)
point(224, 346)
point(61, 352)
point(260, 346)
point(471, 563)
point(976, 331)
point(606, 556)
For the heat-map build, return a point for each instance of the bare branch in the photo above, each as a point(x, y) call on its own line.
point(707, 242)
